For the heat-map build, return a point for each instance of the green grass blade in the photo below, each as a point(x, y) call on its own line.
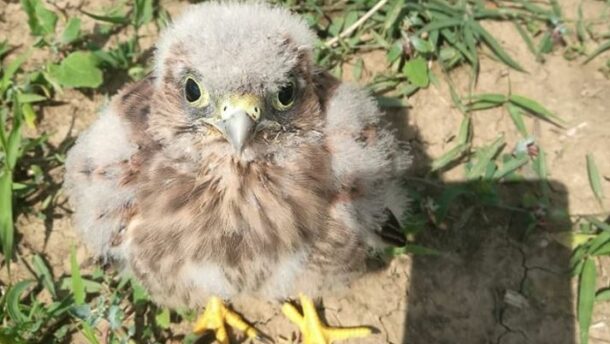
point(516, 114)
point(6, 215)
point(586, 297)
point(594, 178)
point(11, 69)
point(603, 295)
point(602, 250)
point(393, 14)
point(13, 300)
point(115, 19)
point(44, 274)
point(441, 24)
point(599, 242)
point(603, 47)
point(78, 288)
point(496, 47)
point(451, 156)
point(511, 165)
point(89, 333)
point(528, 41)
point(488, 97)
point(597, 223)
point(464, 135)
point(535, 108)
point(484, 157)
point(471, 44)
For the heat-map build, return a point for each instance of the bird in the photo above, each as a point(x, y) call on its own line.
point(239, 167)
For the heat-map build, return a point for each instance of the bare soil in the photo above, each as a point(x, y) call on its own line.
point(489, 285)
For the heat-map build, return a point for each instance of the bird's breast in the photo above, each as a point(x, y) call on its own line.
point(243, 221)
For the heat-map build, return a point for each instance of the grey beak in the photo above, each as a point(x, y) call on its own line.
point(237, 129)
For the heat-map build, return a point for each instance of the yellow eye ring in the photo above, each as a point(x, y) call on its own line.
point(285, 97)
point(195, 94)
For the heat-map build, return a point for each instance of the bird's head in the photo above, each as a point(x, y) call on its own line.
point(234, 77)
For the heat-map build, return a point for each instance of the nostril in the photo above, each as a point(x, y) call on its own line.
point(255, 110)
point(224, 108)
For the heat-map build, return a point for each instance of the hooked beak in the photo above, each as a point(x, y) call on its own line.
point(238, 117)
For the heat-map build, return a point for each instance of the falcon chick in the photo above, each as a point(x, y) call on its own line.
point(238, 168)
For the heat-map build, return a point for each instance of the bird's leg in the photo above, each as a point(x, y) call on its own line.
point(215, 316)
point(314, 332)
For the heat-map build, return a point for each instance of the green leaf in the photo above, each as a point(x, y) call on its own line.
point(29, 116)
point(450, 156)
point(485, 101)
point(393, 14)
point(586, 297)
point(546, 44)
point(4, 48)
point(494, 98)
point(71, 31)
point(41, 21)
point(495, 47)
point(602, 295)
point(79, 69)
point(597, 223)
point(78, 288)
point(535, 108)
point(511, 165)
point(13, 300)
point(441, 24)
point(162, 318)
point(464, 135)
point(140, 295)
point(416, 70)
point(89, 333)
point(112, 18)
point(6, 215)
point(603, 249)
point(528, 41)
point(91, 286)
point(516, 114)
point(143, 12)
point(29, 98)
point(598, 243)
point(394, 53)
point(12, 68)
point(594, 178)
point(424, 46)
point(43, 273)
point(483, 157)
point(603, 47)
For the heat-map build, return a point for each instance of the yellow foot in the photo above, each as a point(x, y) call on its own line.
point(214, 318)
point(314, 332)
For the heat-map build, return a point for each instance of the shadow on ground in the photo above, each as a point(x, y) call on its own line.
point(501, 277)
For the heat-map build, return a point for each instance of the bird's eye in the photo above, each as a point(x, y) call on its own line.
point(285, 96)
point(194, 94)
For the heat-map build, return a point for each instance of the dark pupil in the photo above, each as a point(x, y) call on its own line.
point(192, 90)
point(286, 94)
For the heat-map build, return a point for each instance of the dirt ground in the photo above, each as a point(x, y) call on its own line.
point(488, 286)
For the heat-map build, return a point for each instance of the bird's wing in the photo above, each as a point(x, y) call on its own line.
point(368, 162)
point(102, 167)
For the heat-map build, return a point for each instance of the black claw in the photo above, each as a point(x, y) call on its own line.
point(391, 232)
